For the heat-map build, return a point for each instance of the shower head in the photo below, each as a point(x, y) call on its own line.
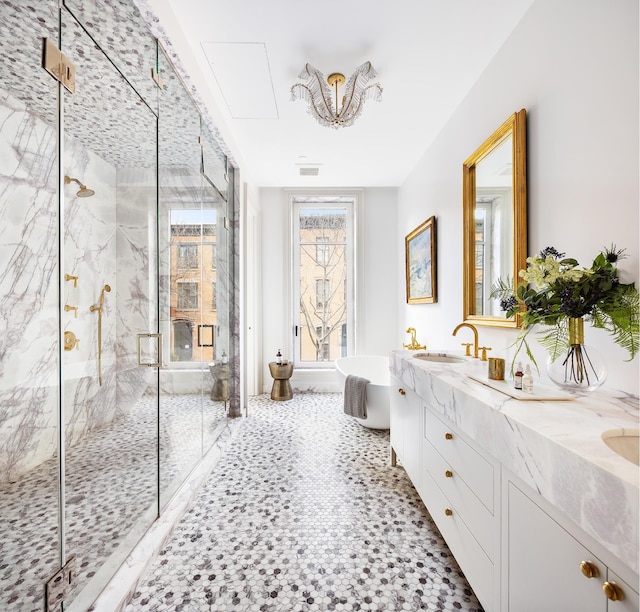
point(83, 192)
point(107, 288)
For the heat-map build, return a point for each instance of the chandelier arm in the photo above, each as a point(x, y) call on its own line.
point(322, 114)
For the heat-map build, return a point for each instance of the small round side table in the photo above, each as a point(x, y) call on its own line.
point(281, 390)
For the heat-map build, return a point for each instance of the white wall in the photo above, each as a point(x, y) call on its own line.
point(377, 273)
point(573, 65)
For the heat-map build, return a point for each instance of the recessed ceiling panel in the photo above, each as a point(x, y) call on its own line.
point(244, 78)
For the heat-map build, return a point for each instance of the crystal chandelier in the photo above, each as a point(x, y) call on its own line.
point(316, 91)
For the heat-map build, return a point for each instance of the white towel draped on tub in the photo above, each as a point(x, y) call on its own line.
point(355, 395)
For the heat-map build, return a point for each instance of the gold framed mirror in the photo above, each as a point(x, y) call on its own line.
point(494, 203)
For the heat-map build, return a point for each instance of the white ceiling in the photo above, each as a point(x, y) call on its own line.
point(428, 54)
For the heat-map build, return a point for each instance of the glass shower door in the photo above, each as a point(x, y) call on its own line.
point(109, 313)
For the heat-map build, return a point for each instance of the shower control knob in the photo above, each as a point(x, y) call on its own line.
point(402, 392)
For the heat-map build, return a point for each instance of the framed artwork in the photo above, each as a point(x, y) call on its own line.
point(420, 258)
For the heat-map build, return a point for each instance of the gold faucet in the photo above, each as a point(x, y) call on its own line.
point(476, 348)
point(475, 337)
point(413, 345)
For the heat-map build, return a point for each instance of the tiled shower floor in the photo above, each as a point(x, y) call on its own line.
point(303, 512)
point(111, 479)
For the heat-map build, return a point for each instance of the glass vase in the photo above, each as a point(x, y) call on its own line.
point(582, 367)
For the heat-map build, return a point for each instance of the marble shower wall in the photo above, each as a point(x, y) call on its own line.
point(28, 289)
point(106, 242)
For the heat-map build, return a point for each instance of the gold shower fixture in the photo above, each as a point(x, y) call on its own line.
point(83, 192)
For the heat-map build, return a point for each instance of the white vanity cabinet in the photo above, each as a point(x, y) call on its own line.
point(491, 472)
point(547, 568)
point(460, 488)
point(405, 429)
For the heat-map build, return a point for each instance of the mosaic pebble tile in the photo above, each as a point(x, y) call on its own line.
point(111, 479)
point(304, 513)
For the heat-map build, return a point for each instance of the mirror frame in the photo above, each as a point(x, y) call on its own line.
point(514, 126)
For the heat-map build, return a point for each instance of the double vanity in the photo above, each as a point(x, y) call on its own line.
point(538, 507)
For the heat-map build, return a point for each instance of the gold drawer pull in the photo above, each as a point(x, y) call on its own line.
point(402, 392)
point(613, 591)
point(589, 569)
point(449, 512)
point(448, 474)
point(448, 436)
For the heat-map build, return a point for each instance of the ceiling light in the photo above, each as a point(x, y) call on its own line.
point(317, 93)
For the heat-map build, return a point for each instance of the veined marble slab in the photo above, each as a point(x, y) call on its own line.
point(554, 446)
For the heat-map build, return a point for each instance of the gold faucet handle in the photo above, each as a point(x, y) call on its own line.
point(70, 277)
point(484, 349)
point(467, 351)
point(68, 308)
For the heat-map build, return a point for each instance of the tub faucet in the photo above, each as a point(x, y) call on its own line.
point(413, 345)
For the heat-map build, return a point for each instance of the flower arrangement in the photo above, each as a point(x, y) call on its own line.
point(556, 291)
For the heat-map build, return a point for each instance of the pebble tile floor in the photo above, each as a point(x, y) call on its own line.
point(111, 478)
point(304, 513)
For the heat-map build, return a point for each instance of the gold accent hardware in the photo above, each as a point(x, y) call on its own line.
point(402, 392)
point(157, 79)
point(99, 308)
point(484, 349)
point(475, 336)
point(83, 192)
point(612, 591)
point(576, 331)
point(448, 474)
point(448, 436)
point(467, 351)
point(589, 569)
point(158, 362)
point(58, 65)
point(413, 345)
point(68, 308)
point(448, 511)
point(70, 341)
point(68, 277)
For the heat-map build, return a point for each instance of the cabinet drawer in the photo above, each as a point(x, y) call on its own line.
point(462, 498)
point(466, 462)
point(476, 565)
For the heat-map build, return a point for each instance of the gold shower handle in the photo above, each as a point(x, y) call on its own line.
point(158, 362)
point(70, 277)
point(68, 308)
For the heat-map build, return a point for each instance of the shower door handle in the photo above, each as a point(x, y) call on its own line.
point(158, 362)
point(213, 338)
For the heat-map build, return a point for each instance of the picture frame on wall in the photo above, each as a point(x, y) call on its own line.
point(420, 262)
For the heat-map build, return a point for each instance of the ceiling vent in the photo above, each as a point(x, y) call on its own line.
point(309, 171)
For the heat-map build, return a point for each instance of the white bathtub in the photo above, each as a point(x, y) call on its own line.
point(376, 369)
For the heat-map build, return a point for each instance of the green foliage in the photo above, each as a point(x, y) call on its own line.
point(559, 290)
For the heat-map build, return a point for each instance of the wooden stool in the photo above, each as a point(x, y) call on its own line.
point(281, 390)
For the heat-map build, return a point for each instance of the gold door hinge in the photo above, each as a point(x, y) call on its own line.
point(58, 65)
point(157, 79)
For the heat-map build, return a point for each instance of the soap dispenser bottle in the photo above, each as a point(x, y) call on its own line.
point(517, 377)
point(278, 358)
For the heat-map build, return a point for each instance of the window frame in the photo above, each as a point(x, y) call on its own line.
point(349, 203)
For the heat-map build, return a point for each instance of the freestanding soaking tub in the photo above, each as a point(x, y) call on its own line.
point(375, 368)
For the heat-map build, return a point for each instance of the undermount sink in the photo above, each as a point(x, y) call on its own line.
point(623, 442)
point(439, 357)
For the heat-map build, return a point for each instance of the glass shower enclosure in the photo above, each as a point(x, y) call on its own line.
point(116, 234)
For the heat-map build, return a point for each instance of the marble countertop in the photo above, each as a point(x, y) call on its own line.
point(554, 446)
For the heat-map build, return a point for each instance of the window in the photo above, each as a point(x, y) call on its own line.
point(193, 240)
point(187, 256)
point(188, 296)
point(323, 293)
point(322, 250)
point(323, 278)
